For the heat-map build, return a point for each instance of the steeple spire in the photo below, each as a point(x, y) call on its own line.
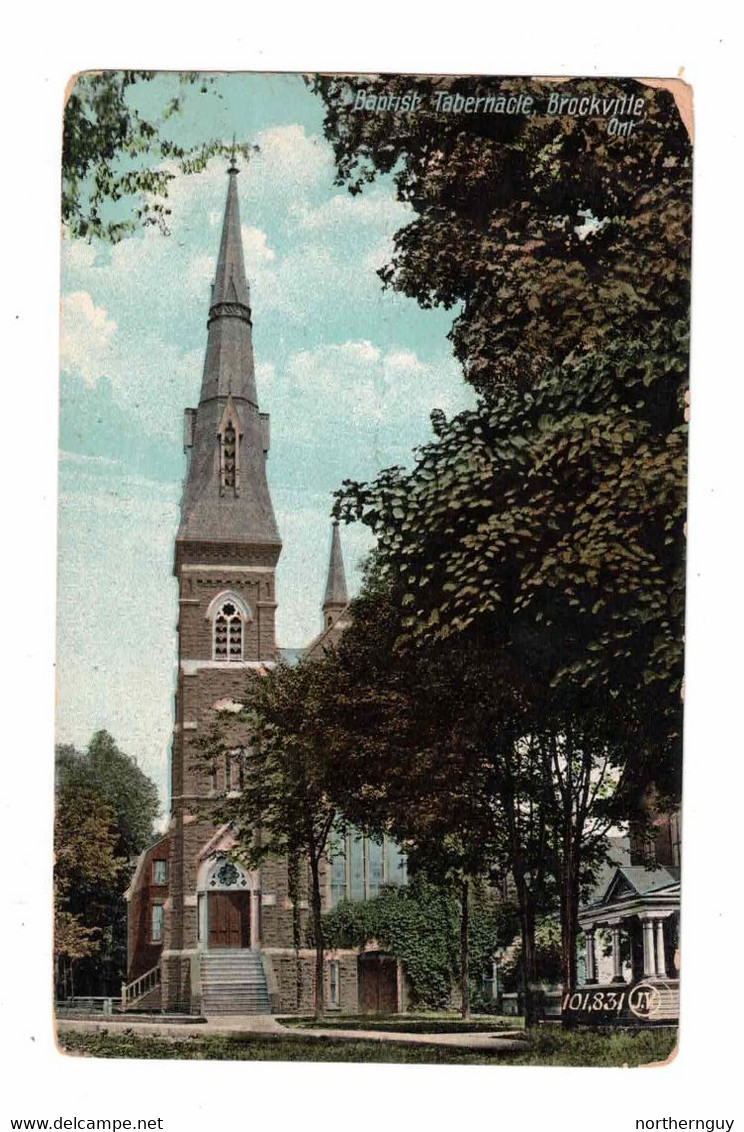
point(336, 598)
point(226, 497)
point(230, 284)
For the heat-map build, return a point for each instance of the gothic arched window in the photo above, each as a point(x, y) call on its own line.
point(228, 632)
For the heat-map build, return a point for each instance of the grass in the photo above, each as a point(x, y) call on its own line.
point(408, 1023)
point(544, 1046)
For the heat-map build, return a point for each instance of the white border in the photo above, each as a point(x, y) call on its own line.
point(630, 38)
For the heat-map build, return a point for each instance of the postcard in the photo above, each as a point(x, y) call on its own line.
point(373, 454)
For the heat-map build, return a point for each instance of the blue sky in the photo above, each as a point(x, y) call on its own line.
point(348, 371)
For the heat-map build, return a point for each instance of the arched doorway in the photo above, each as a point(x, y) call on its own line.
point(225, 907)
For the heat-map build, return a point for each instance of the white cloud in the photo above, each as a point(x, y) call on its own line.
point(255, 246)
point(86, 333)
point(361, 383)
point(377, 209)
point(289, 157)
point(77, 255)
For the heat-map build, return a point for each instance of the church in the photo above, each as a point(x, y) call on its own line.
point(206, 936)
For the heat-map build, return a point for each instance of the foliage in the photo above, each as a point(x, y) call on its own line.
point(131, 795)
point(105, 809)
point(553, 522)
point(544, 527)
point(548, 953)
point(419, 924)
point(88, 876)
point(550, 237)
point(117, 159)
point(284, 807)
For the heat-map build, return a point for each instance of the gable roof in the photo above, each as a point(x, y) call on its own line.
point(628, 882)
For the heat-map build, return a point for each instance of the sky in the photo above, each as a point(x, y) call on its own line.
point(349, 373)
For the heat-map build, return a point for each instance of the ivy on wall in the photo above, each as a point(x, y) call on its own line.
point(420, 925)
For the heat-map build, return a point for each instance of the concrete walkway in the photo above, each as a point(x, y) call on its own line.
point(239, 1025)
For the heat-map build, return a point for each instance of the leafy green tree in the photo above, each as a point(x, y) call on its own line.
point(550, 237)
point(105, 810)
point(284, 808)
point(397, 764)
point(88, 877)
point(117, 156)
point(131, 795)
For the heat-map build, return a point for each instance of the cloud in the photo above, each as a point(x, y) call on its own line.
point(292, 159)
point(375, 209)
point(85, 336)
point(255, 246)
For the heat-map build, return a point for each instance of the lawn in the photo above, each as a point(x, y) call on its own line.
point(408, 1023)
point(544, 1046)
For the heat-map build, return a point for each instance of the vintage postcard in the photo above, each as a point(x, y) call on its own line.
point(373, 451)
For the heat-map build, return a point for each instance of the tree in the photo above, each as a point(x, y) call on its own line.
point(547, 525)
point(553, 237)
point(528, 534)
point(117, 159)
point(105, 810)
point(130, 794)
point(87, 877)
point(284, 808)
point(400, 762)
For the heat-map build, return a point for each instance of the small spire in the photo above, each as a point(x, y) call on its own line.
point(336, 597)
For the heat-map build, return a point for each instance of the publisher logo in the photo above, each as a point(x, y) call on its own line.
point(645, 1001)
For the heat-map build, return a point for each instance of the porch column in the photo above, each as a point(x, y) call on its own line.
point(660, 952)
point(617, 963)
point(591, 958)
point(649, 959)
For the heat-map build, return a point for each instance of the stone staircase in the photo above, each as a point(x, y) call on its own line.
point(233, 982)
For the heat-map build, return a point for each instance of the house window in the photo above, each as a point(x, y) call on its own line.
point(156, 923)
point(228, 633)
point(334, 983)
point(160, 872)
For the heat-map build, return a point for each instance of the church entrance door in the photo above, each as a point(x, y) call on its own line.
point(229, 919)
point(378, 984)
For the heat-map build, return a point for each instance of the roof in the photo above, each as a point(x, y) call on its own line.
point(629, 884)
point(335, 592)
point(242, 513)
point(329, 637)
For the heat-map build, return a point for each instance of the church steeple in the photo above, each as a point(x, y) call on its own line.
point(336, 598)
point(226, 498)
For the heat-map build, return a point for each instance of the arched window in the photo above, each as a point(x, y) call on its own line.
point(228, 632)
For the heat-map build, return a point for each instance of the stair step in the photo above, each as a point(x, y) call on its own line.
point(233, 982)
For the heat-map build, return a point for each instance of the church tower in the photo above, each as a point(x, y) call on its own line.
point(206, 935)
point(226, 552)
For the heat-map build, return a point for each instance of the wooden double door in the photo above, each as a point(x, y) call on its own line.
point(229, 918)
point(378, 984)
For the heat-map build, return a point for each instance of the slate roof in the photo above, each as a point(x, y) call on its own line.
point(335, 592)
point(209, 514)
